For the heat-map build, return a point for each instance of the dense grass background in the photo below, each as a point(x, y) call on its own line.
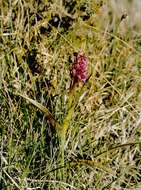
point(37, 42)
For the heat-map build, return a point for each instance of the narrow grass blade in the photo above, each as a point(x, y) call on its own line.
point(92, 163)
point(117, 147)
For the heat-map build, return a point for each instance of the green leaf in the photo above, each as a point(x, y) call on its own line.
point(45, 110)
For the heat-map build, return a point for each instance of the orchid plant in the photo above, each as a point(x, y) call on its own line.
point(78, 75)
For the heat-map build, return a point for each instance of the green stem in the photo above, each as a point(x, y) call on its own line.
point(62, 150)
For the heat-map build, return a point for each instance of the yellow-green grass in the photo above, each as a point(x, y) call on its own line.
point(102, 147)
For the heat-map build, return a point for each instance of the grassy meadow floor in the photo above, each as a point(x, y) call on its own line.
point(103, 143)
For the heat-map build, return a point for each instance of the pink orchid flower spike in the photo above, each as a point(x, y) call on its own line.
point(79, 68)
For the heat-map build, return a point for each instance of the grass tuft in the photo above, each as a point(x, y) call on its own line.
point(101, 144)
